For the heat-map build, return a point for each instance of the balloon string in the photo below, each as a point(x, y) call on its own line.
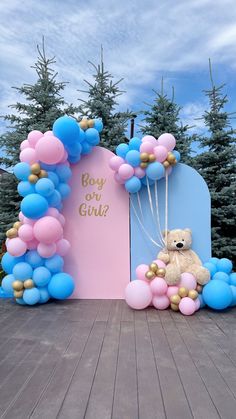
point(158, 214)
point(140, 206)
point(166, 209)
point(152, 209)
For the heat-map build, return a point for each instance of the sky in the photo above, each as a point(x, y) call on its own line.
point(142, 41)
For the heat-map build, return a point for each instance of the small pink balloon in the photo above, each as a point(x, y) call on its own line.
point(63, 247)
point(172, 290)
point(187, 306)
point(33, 244)
point(53, 212)
point(118, 179)
point(116, 162)
point(49, 150)
point(158, 286)
point(33, 137)
point(16, 247)
point(161, 153)
point(26, 233)
point(46, 250)
point(139, 172)
point(188, 281)
point(141, 271)
point(161, 302)
point(29, 221)
point(21, 216)
point(138, 294)
point(146, 148)
point(126, 171)
point(62, 219)
point(159, 263)
point(167, 140)
point(48, 230)
point(197, 303)
point(24, 144)
point(48, 133)
point(28, 155)
point(149, 139)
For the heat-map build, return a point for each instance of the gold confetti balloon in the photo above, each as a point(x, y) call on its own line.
point(193, 294)
point(12, 233)
point(18, 294)
point(90, 123)
point(152, 158)
point(43, 174)
point(18, 285)
point(35, 169)
point(153, 267)
point(175, 299)
point(150, 275)
point(33, 178)
point(183, 292)
point(144, 157)
point(161, 272)
point(28, 283)
point(174, 307)
point(17, 225)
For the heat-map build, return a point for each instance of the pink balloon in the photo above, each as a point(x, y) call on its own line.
point(188, 281)
point(16, 247)
point(26, 233)
point(53, 212)
point(33, 244)
point(64, 157)
point(118, 179)
point(159, 263)
point(126, 171)
point(48, 133)
point(149, 139)
point(160, 152)
point(24, 144)
point(139, 172)
point(141, 271)
point(46, 250)
point(28, 155)
point(116, 162)
point(161, 302)
point(172, 290)
point(49, 150)
point(33, 137)
point(187, 306)
point(63, 247)
point(158, 286)
point(146, 148)
point(29, 221)
point(62, 219)
point(167, 140)
point(197, 303)
point(48, 230)
point(138, 294)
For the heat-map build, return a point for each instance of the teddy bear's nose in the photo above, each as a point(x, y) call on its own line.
point(179, 245)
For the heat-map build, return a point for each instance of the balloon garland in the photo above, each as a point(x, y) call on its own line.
point(35, 244)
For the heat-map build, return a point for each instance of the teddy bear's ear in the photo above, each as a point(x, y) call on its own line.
point(188, 230)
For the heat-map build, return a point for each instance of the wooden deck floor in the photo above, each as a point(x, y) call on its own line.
point(99, 360)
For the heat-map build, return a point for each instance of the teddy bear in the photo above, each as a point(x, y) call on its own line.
point(179, 257)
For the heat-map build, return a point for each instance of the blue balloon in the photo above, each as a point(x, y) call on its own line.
point(233, 289)
point(122, 149)
point(133, 184)
point(144, 181)
point(44, 295)
point(92, 136)
point(211, 268)
point(20, 301)
point(155, 171)
point(22, 171)
point(74, 159)
point(8, 262)
point(217, 295)
point(86, 148)
point(25, 188)
point(133, 158)
point(202, 302)
point(61, 286)
point(232, 278)
point(63, 172)
point(82, 136)
point(44, 187)
point(224, 265)
point(54, 200)
point(64, 190)
point(34, 259)
point(7, 283)
point(55, 263)
point(98, 124)
point(54, 178)
point(31, 296)
point(41, 276)
point(34, 206)
point(135, 143)
point(74, 149)
point(213, 260)
point(176, 154)
point(48, 167)
point(221, 276)
point(22, 271)
point(66, 129)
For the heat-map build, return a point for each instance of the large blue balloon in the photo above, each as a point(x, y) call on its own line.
point(221, 276)
point(133, 158)
point(7, 283)
point(34, 206)
point(133, 185)
point(135, 143)
point(155, 171)
point(66, 129)
point(34, 259)
point(22, 271)
point(61, 286)
point(92, 136)
point(122, 149)
point(217, 295)
point(98, 125)
point(8, 262)
point(233, 289)
point(22, 171)
point(64, 190)
point(25, 188)
point(54, 264)
point(31, 296)
point(63, 172)
point(211, 268)
point(45, 187)
point(41, 276)
point(224, 265)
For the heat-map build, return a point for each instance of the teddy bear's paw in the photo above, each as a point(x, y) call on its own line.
point(164, 257)
point(201, 274)
point(172, 275)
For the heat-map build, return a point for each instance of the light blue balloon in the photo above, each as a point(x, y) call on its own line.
point(98, 124)
point(41, 276)
point(63, 172)
point(44, 295)
point(176, 154)
point(34, 206)
point(22, 271)
point(54, 178)
point(48, 167)
point(155, 171)
point(92, 136)
point(64, 190)
point(224, 265)
point(135, 143)
point(61, 286)
point(22, 171)
point(20, 301)
point(54, 264)
point(25, 188)
point(202, 302)
point(221, 276)
point(133, 184)
point(34, 259)
point(81, 136)
point(8, 262)
point(54, 200)
point(66, 129)
point(233, 289)
point(144, 181)
point(232, 278)
point(7, 283)
point(133, 158)
point(213, 260)
point(75, 149)
point(86, 148)
point(122, 149)
point(211, 268)
point(74, 159)
point(44, 187)
point(31, 296)
point(217, 295)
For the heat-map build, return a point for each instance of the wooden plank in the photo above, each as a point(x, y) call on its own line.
point(116, 311)
point(104, 311)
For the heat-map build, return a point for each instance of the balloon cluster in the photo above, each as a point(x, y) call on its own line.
point(35, 244)
point(142, 161)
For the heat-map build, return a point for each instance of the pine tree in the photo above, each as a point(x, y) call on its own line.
point(217, 166)
point(101, 102)
point(163, 116)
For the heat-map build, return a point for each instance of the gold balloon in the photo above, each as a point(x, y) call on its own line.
point(193, 294)
point(174, 307)
point(183, 292)
point(12, 233)
point(150, 275)
point(152, 158)
point(153, 267)
point(143, 165)
point(35, 169)
point(199, 288)
point(18, 285)
point(29, 283)
point(17, 225)
point(175, 299)
point(161, 272)
point(166, 164)
point(90, 123)
point(33, 178)
point(42, 174)
point(18, 294)
point(171, 158)
point(83, 124)
point(144, 157)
